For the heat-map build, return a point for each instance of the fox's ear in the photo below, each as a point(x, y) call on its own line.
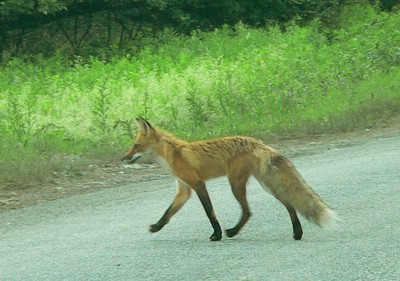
point(143, 125)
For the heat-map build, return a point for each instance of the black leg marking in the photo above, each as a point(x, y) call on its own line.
point(206, 202)
point(162, 222)
point(181, 197)
point(297, 229)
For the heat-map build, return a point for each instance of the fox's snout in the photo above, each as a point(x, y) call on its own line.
point(127, 158)
point(130, 159)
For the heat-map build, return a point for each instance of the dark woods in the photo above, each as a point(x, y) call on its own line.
point(106, 28)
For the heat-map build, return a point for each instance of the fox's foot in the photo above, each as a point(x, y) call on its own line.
point(216, 236)
point(155, 227)
point(232, 232)
point(298, 234)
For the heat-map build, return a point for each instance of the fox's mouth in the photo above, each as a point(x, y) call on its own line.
point(131, 158)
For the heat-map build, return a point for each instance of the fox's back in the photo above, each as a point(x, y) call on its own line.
point(213, 158)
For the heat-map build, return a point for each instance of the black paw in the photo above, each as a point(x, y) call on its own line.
point(231, 232)
point(216, 236)
point(297, 235)
point(155, 227)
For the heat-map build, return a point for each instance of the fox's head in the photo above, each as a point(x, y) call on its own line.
point(146, 142)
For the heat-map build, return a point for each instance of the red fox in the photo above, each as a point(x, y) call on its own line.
point(238, 158)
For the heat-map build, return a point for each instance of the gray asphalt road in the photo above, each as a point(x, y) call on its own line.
point(103, 235)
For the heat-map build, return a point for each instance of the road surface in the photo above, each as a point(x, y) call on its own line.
point(103, 235)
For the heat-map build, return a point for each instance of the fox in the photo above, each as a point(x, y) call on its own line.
point(238, 158)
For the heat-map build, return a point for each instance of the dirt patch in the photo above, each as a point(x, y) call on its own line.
point(97, 177)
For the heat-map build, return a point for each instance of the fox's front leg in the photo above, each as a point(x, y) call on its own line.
point(182, 195)
point(201, 191)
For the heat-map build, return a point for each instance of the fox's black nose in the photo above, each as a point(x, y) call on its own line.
point(126, 158)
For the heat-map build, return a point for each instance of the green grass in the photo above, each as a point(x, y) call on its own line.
point(231, 81)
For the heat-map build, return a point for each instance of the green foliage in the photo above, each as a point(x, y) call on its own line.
point(15, 8)
point(234, 80)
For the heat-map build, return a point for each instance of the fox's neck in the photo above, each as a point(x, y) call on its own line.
point(169, 145)
point(169, 140)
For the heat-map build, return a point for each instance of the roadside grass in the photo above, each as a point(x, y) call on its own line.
point(55, 118)
point(359, 106)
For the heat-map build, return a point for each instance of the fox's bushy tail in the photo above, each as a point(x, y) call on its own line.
point(312, 207)
point(286, 184)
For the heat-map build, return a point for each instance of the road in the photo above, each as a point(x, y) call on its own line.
point(103, 235)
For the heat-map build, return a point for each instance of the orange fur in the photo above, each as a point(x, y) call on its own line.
point(238, 158)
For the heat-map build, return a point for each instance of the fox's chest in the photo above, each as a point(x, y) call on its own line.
point(164, 163)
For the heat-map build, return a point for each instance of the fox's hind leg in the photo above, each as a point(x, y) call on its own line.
point(283, 181)
point(238, 178)
point(297, 230)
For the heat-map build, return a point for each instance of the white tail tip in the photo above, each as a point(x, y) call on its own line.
point(329, 218)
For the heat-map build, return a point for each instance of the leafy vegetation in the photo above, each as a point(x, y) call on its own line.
point(234, 80)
